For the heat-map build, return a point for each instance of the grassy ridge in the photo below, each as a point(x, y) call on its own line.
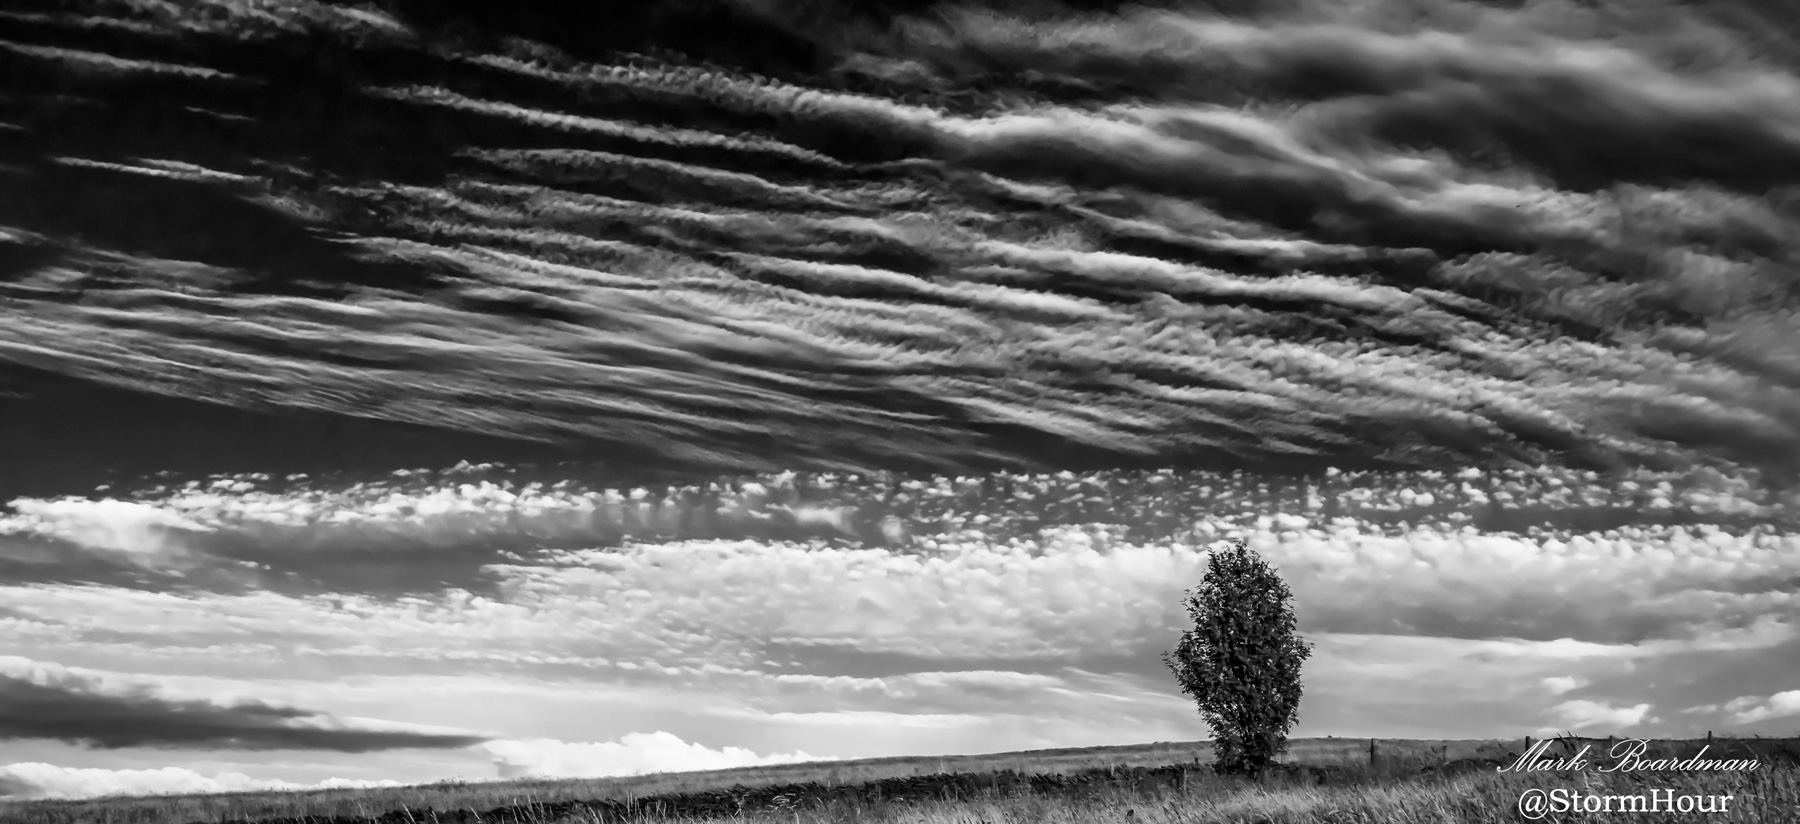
point(1325, 780)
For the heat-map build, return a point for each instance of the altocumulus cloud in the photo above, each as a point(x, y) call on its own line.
point(46, 701)
point(1591, 596)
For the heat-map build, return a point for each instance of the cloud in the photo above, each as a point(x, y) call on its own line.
point(140, 532)
point(1559, 684)
point(1749, 710)
point(1583, 714)
point(633, 754)
point(860, 376)
point(425, 534)
point(46, 701)
point(1365, 553)
point(978, 614)
point(12, 786)
point(36, 780)
point(106, 540)
point(1585, 108)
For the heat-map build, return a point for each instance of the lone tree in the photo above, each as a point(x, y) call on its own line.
point(1241, 661)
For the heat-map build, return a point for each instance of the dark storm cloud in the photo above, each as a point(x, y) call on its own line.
point(47, 702)
point(10, 786)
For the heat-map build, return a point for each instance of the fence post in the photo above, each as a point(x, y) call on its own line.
point(1709, 737)
point(1371, 752)
point(1528, 743)
point(1609, 743)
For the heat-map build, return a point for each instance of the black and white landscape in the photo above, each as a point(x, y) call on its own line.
point(392, 393)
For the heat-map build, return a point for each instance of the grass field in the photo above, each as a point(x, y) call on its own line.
point(1324, 780)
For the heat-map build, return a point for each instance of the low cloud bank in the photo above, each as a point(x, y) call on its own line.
point(36, 780)
point(633, 754)
point(1750, 709)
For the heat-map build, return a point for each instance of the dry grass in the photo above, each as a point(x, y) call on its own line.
point(1391, 789)
point(1488, 796)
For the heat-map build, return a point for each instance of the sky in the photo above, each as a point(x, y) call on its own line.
point(475, 624)
point(966, 337)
